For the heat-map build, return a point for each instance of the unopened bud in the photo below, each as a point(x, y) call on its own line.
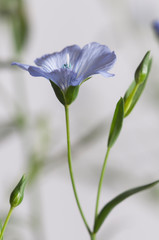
point(17, 195)
point(143, 69)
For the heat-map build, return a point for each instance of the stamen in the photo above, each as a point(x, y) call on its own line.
point(67, 64)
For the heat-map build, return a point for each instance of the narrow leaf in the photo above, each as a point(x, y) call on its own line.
point(114, 202)
point(116, 124)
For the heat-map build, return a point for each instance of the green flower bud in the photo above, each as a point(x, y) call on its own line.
point(136, 88)
point(143, 69)
point(17, 195)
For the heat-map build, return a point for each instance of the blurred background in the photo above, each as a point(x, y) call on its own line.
point(32, 121)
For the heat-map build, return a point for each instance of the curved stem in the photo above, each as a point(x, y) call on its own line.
point(6, 222)
point(101, 181)
point(70, 168)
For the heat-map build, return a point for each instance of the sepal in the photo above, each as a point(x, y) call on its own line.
point(86, 79)
point(67, 97)
point(58, 92)
point(71, 94)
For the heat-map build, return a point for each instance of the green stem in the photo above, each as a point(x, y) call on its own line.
point(70, 168)
point(93, 237)
point(101, 181)
point(6, 222)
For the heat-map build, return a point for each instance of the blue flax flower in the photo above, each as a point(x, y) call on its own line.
point(68, 69)
point(155, 25)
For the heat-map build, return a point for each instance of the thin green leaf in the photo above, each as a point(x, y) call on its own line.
point(113, 203)
point(117, 122)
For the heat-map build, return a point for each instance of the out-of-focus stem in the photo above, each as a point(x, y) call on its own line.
point(6, 222)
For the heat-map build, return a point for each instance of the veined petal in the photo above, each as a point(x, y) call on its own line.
point(23, 66)
point(38, 72)
point(34, 71)
point(51, 62)
point(94, 58)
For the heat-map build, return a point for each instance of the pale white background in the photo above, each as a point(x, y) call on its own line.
point(125, 26)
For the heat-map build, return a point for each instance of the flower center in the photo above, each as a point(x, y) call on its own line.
point(67, 64)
